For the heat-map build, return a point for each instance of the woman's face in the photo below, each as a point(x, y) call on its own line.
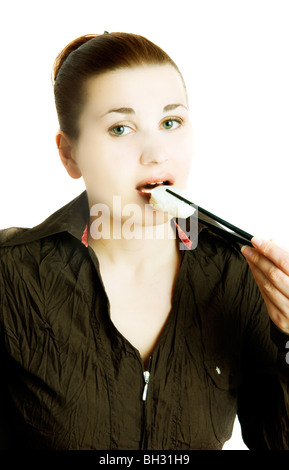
point(134, 129)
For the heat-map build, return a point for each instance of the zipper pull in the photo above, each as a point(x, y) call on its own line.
point(146, 375)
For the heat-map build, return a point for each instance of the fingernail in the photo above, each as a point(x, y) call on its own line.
point(244, 249)
point(257, 241)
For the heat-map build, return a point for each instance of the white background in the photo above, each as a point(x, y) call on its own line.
point(234, 58)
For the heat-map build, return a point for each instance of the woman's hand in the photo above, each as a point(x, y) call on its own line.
point(270, 266)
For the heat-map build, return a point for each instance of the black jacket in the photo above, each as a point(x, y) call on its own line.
point(71, 380)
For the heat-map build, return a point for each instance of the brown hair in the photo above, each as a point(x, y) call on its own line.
point(91, 55)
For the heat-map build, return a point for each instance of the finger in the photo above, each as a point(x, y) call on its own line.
point(279, 319)
point(274, 252)
point(277, 316)
point(275, 301)
point(273, 274)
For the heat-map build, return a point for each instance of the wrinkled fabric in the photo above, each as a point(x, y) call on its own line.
point(71, 380)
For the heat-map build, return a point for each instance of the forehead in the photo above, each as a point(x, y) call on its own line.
point(156, 85)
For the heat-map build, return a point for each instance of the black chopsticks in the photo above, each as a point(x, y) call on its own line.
point(237, 234)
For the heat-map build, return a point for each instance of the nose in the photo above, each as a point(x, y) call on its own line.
point(149, 158)
point(153, 153)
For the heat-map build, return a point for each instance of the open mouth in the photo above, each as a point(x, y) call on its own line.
point(145, 187)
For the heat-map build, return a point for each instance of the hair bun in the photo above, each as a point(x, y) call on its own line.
point(72, 46)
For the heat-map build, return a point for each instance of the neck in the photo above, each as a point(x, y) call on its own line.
point(149, 246)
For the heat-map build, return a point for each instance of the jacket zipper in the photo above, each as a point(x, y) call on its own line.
point(146, 375)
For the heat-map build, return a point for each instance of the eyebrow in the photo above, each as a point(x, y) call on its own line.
point(169, 107)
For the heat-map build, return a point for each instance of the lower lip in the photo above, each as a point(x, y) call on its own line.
point(144, 194)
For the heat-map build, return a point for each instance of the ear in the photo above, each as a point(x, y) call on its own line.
point(66, 153)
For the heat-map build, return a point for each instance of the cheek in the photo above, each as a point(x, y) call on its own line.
point(188, 145)
point(91, 156)
point(183, 151)
point(120, 168)
point(105, 169)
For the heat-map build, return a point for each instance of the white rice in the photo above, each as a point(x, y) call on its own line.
point(163, 201)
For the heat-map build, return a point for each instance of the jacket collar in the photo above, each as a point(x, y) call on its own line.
point(73, 218)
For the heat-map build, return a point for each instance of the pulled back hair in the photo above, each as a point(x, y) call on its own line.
point(89, 56)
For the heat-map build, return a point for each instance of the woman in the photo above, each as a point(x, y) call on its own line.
point(150, 341)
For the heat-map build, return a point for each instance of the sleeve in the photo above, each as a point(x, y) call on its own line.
point(263, 403)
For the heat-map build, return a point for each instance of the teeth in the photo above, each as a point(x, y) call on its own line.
point(151, 185)
point(148, 187)
point(157, 183)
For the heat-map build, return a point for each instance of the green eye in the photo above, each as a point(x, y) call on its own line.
point(120, 130)
point(171, 124)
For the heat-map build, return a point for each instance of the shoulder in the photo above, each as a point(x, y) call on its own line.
point(25, 261)
point(216, 252)
point(19, 262)
point(7, 234)
point(217, 269)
